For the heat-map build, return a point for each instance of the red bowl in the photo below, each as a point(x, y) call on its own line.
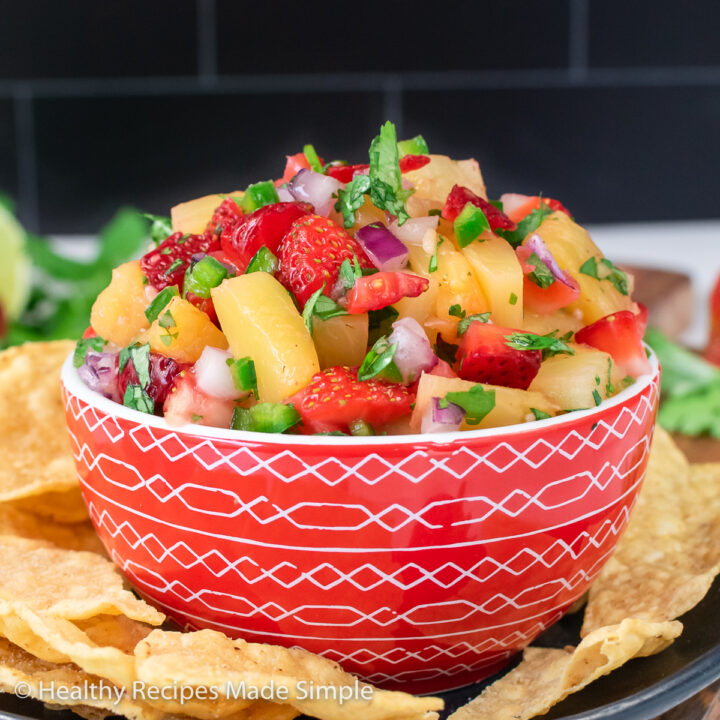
point(420, 562)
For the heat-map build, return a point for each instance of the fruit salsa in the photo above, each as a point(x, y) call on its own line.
point(387, 297)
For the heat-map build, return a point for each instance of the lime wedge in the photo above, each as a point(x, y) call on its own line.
point(14, 266)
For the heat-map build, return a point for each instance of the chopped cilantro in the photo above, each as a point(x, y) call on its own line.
point(596, 397)
point(549, 344)
point(173, 267)
point(456, 311)
point(138, 399)
point(465, 323)
point(196, 418)
point(91, 343)
point(380, 323)
point(321, 306)
point(167, 322)
point(351, 198)
point(609, 387)
point(160, 227)
point(513, 299)
point(627, 381)
point(312, 157)
point(540, 414)
point(604, 269)
point(139, 355)
point(529, 224)
point(159, 302)
point(477, 402)
point(379, 362)
point(542, 275)
point(349, 273)
point(445, 351)
point(434, 211)
point(433, 264)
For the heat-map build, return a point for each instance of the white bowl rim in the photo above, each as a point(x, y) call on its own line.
point(75, 386)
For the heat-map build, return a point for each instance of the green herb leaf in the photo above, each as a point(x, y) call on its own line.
point(529, 224)
point(263, 261)
point(137, 399)
point(540, 414)
point(159, 302)
point(477, 402)
point(319, 305)
point(312, 157)
point(167, 321)
point(379, 362)
point(160, 227)
point(465, 323)
point(194, 417)
point(351, 198)
point(380, 323)
point(596, 397)
point(604, 269)
point(349, 272)
point(542, 275)
point(139, 355)
point(549, 344)
point(91, 343)
point(456, 311)
point(385, 177)
point(609, 387)
point(446, 351)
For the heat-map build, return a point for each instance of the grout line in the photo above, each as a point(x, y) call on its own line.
point(367, 82)
point(26, 157)
point(579, 40)
point(393, 102)
point(206, 40)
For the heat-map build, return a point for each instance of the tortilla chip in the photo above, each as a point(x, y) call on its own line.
point(546, 675)
point(210, 659)
point(18, 668)
point(78, 536)
point(670, 553)
point(65, 507)
point(66, 584)
point(34, 442)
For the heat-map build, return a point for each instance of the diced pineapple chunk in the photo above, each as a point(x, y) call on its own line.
point(341, 340)
point(457, 285)
point(571, 246)
point(512, 406)
point(577, 381)
point(500, 275)
point(193, 216)
point(118, 313)
point(421, 307)
point(181, 331)
point(436, 179)
point(261, 321)
point(561, 320)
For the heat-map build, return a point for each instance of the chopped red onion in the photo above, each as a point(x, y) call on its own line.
point(100, 373)
point(385, 251)
point(316, 189)
point(441, 419)
point(413, 231)
point(414, 354)
point(538, 246)
point(284, 194)
point(213, 374)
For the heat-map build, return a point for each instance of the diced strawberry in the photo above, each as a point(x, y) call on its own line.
point(517, 206)
point(335, 397)
point(204, 304)
point(166, 264)
point(89, 333)
point(413, 162)
point(641, 318)
point(460, 196)
point(221, 257)
point(619, 336)
point(186, 403)
point(226, 216)
point(345, 173)
point(379, 290)
point(443, 369)
point(163, 371)
point(266, 226)
point(545, 300)
point(311, 254)
point(712, 352)
point(295, 163)
point(484, 356)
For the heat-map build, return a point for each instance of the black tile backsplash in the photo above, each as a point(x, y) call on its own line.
point(154, 152)
point(609, 154)
point(87, 38)
point(663, 33)
point(611, 106)
point(8, 168)
point(402, 35)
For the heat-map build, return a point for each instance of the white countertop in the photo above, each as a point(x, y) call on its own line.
point(691, 247)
